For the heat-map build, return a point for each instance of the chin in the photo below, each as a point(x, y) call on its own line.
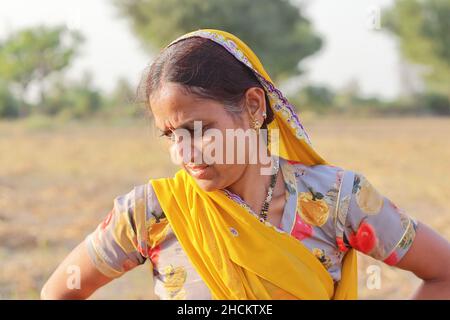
point(210, 180)
point(207, 185)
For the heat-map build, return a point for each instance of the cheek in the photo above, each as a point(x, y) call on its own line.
point(222, 177)
point(232, 148)
point(227, 174)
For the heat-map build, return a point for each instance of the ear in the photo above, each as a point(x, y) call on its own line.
point(255, 102)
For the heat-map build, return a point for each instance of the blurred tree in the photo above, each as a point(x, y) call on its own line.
point(275, 29)
point(73, 99)
point(9, 106)
point(436, 103)
point(422, 28)
point(30, 55)
point(121, 102)
point(123, 93)
point(317, 98)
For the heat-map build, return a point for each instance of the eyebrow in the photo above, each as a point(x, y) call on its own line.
point(188, 125)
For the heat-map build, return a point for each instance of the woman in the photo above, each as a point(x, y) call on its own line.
point(287, 228)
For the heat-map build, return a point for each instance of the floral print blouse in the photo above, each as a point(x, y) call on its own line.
point(328, 208)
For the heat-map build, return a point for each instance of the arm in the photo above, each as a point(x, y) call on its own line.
point(64, 283)
point(118, 244)
point(429, 259)
point(375, 226)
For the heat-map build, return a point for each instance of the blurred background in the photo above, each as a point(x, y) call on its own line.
point(370, 81)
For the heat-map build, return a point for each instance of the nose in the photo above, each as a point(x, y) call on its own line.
point(195, 154)
point(185, 152)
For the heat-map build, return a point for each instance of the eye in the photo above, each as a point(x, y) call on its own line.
point(202, 131)
point(168, 134)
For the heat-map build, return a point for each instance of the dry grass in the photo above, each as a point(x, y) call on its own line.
point(58, 181)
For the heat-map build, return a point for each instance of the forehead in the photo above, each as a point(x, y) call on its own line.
point(172, 104)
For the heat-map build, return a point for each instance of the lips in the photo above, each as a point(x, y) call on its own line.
point(197, 171)
point(196, 166)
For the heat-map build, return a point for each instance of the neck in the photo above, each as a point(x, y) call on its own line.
point(252, 186)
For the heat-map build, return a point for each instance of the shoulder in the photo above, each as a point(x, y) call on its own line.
point(139, 203)
point(324, 193)
point(318, 189)
point(127, 234)
point(138, 217)
point(321, 171)
point(323, 180)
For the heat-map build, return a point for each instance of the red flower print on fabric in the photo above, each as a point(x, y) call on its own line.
point(301, 229)
point(364, 239)
point(392, 259)
point(341, 244)
point(107, 220)
point(153, 254)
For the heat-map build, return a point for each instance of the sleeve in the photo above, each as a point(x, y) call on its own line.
point(120, 241)
point(371, 223)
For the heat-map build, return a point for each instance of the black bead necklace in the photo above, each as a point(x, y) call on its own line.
point(273, 180)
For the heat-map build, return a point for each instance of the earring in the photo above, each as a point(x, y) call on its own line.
point(256, 125)
point(264, 114)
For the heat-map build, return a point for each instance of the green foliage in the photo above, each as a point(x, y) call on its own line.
point(422, 28)
point(31, 55)
point(318, 96)
point(122, 101)
point(319, 99)
point(436, 103)
point(73, 99)
point(9, 106)
point(275, 29)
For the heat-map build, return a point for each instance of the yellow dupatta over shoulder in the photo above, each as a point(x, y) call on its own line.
point(236, 255)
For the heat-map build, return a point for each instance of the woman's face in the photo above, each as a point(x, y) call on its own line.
point(204, 157)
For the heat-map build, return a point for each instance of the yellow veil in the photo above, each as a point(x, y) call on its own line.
point(236, 255)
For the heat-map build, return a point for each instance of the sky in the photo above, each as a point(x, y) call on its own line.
point(355, 48)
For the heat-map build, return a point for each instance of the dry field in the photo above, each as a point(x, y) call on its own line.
point(57, 182)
